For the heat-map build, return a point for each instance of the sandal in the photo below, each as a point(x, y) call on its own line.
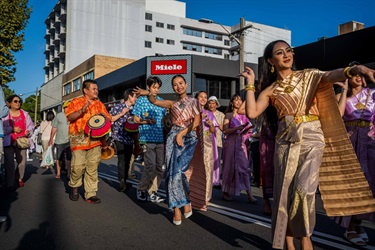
point(354, 239)
point(361, 233)
point(57, 177)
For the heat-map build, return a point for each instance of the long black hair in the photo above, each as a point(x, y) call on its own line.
point(230, 106)
point(266, 78)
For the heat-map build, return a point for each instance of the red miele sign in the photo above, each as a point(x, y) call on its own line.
point(168, 67)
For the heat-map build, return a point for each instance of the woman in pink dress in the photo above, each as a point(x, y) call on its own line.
point(236, 175)
point(180, 146)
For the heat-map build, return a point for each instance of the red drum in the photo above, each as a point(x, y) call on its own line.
point(97, 126)
point(130, 126)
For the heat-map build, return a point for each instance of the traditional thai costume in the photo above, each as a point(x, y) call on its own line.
point(177, 157)
point(236, 175)
point(312, 144)
point(359, 112)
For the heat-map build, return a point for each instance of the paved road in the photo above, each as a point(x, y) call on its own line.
point(41, 216)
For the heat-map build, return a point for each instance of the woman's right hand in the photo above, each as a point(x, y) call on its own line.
point(140, 92)
point(17, 130)
point(249, 75)
point(179, 140)
point(343, 85)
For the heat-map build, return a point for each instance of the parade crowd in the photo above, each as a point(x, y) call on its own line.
point(310, 138)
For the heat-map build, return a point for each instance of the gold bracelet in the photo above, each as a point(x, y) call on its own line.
point(250, 87)
point(347, 73)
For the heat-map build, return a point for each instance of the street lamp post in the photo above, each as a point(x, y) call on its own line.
point(36, 106)
point(241, 43)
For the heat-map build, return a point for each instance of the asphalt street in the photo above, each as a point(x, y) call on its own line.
point(41, 216)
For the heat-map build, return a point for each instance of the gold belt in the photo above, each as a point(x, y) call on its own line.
point(302, 118)
point(358, 123)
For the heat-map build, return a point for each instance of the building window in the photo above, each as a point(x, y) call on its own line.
point(148, 28)
point(89, 75)
point(192, 47)
point(158, 54)
point(67, 89)
point(170, 42)
point(226, 56)
point(159, 40)
point(77, 84)
point(215, 51)
point(148, 16)
point(159, 25)
point(213, 36)
point(170, 26)
point(191, 32)
point(226, 42)
point(148, 44)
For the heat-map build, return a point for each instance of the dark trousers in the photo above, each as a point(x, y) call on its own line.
point(13, 172)
point(124, 155)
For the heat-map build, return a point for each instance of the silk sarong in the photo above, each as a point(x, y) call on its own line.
point(177, 162)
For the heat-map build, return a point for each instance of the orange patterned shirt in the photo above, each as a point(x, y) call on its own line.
point(78, 139)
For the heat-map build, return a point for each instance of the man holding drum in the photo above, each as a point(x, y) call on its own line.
point(86, 150)
point(123, 139)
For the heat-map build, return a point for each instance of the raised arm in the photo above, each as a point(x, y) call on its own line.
point(161, 103)
point(340, 75)
point(192, 126)
point(341, 98)
point(255, 108)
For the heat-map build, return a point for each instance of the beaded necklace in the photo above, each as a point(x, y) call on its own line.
point(288, 88)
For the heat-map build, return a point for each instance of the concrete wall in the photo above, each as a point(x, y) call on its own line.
point(51, 93)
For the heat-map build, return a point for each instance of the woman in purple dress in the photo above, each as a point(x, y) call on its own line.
point(357, 106)
point(237, 128)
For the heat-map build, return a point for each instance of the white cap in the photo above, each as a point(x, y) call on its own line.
point(213, 98)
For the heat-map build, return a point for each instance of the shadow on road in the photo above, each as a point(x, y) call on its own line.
point(229, 234)
point(39, 238)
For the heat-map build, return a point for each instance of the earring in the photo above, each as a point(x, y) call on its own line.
point(272, 69)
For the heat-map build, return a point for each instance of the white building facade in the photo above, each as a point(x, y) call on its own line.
point(76, 30)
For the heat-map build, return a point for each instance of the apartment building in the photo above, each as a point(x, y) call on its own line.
point(77, 30)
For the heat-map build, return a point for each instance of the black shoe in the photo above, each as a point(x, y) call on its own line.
point(93, 200)
point(141, 195)
point(74, 196)
point(122, 185)
point(217, 186)
point(128, 186)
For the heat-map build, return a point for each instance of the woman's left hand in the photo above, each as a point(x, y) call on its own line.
point(179, 140)
point(27, 133)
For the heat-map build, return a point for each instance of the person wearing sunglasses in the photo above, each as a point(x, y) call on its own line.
point(17, 124)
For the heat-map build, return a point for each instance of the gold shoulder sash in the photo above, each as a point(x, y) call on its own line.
point(342, 184)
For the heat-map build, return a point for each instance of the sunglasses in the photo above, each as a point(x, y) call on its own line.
point(17, 101)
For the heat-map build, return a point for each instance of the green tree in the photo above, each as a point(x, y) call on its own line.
point(7, 91)
point(13, 20)
point(29, 106)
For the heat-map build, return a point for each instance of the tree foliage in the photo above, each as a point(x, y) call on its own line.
point(14, 16)
point(29, 106)
point(7, 91)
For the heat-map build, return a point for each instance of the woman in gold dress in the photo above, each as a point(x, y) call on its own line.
point(311, 144)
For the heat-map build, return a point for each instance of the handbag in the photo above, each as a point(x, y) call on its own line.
point(39, 139)
point(23, 143)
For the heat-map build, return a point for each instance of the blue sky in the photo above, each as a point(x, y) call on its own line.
point(308, 20)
